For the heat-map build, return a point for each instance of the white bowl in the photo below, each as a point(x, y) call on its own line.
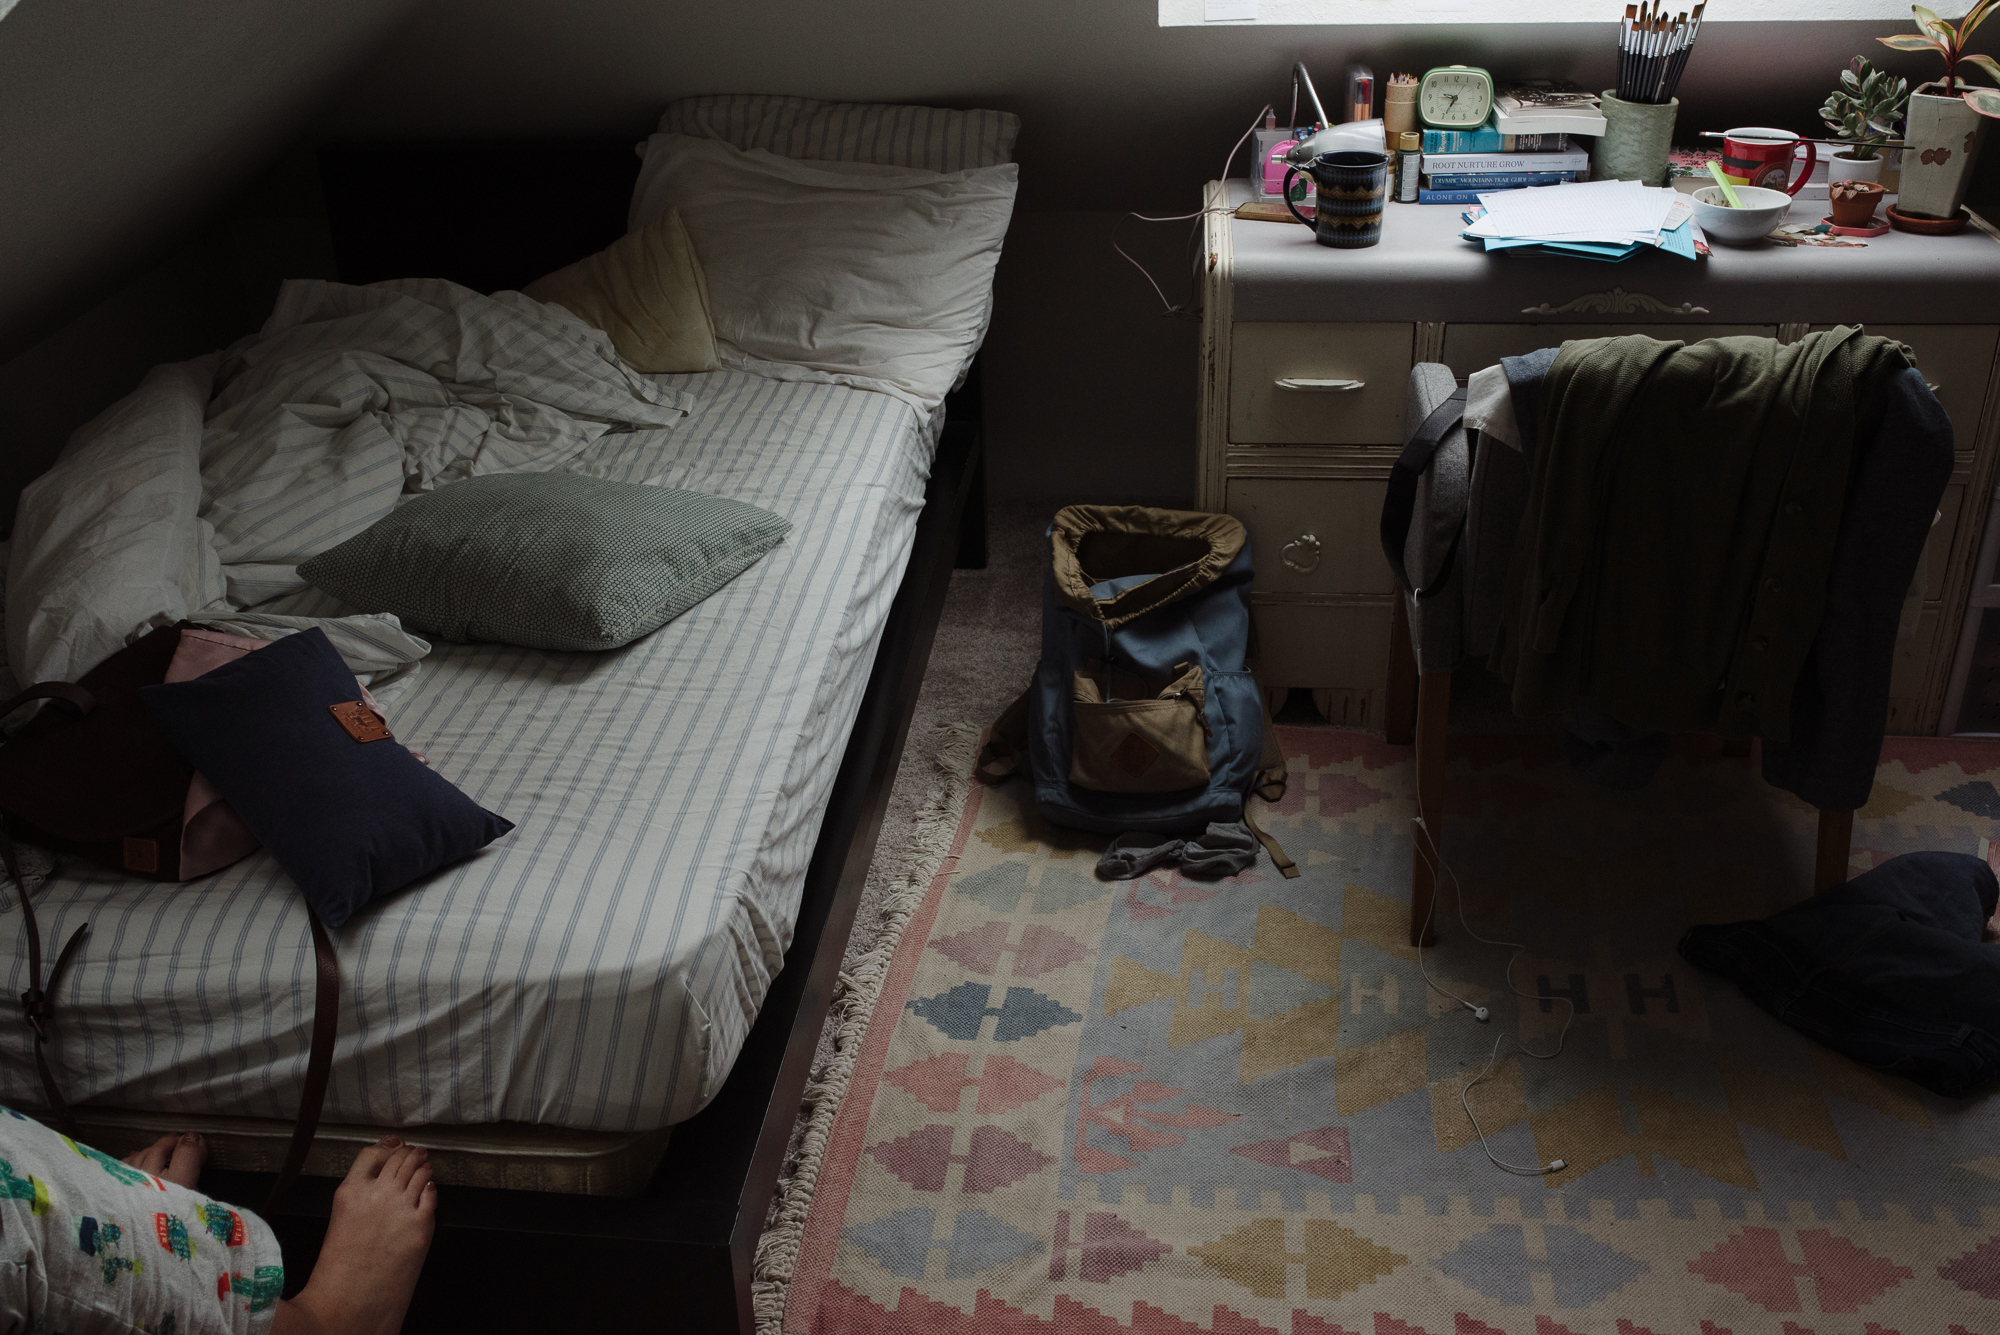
point(1762, 210)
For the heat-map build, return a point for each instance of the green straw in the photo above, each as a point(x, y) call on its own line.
point(1728, 190)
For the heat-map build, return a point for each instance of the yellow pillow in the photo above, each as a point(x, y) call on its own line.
point(645, 290)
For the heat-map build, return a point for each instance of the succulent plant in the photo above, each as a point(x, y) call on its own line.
point(1863, 111)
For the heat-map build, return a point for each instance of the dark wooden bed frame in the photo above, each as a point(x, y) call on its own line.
point(678, 1257)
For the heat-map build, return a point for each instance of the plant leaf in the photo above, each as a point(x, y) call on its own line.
point(1927, 18)
point(1985, 101)
point(1973, 18)
point(1987, 63)
point(1904, 41)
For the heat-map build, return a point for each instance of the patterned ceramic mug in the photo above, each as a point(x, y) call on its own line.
point(1760, 156)
point(1352, 187)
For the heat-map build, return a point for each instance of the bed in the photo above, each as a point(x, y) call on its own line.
point(605, 1020)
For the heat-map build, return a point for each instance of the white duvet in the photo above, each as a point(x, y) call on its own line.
point(347, 399)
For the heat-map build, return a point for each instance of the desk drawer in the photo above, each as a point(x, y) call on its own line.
point(1373, 361)
point(1324, 646)
point(1313, 537)
point(1473, 347)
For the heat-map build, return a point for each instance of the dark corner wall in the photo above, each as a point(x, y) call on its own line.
point(147, 203)
point(141, 129)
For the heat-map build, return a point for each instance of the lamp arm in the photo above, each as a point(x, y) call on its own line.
point(1299, 76)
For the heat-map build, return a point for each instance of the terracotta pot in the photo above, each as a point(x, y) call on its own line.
point(1841, 167)
point(1941, 141)
point(1853, 202)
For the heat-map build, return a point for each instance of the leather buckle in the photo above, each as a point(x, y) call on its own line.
point(362, 723)
point(35, 1008)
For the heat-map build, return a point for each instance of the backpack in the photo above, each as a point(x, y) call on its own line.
point(93, 774)
point(1143, 714)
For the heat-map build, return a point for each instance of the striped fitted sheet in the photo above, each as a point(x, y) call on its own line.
point(599, 967)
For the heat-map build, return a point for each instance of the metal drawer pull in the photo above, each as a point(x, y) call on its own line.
point(1308, 554)
point(1322, 386)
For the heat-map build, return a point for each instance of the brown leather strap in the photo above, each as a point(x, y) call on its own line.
point(319, 1061)
point(38, 1002)
point(79, 701)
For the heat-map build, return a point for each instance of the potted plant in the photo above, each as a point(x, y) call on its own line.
point(1863, 112)
point(1947, 120)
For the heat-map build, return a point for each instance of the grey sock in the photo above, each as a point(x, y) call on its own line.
point(1222, 850)
point(1135, 853)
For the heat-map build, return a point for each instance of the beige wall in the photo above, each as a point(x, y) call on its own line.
point(1090, 388)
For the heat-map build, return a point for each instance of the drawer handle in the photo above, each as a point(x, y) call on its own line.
point(1307, 557)
point(1321, 386)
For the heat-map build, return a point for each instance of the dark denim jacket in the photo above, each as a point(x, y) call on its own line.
point(1889, 969)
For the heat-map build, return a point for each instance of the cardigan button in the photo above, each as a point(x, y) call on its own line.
point(1759, 642)
point(1793, 508)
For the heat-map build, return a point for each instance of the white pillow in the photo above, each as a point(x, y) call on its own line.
point(851, 273)
point(897, 135)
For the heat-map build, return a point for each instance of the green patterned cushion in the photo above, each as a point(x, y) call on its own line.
point(546, 560)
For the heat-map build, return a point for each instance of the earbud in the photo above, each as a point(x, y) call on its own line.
point(1557, 1165)
point(1479, 1013)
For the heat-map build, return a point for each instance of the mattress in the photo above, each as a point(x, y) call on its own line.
point(599, 968)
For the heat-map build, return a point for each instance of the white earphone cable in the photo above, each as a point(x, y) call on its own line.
point(1433, 857)
point(1227, 163)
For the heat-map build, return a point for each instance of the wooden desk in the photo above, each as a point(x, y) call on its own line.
point(1305, 470)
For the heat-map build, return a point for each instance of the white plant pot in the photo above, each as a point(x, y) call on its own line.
point(1941, 141)
point(1844, 168)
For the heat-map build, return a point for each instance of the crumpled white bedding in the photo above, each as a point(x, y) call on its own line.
point(347, 399)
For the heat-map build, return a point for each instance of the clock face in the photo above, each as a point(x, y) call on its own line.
point(1455, 97)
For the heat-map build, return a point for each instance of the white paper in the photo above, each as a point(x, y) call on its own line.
point(1226, 11)
point(1607, 211)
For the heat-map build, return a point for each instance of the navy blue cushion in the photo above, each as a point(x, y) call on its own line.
point(350, 821)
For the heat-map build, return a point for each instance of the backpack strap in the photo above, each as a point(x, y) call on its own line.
point(1006, 743)
point(1400, 505)
point(1268, 783)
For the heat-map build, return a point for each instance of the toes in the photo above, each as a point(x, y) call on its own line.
point(155, 1157)
point(189, 1153)
point(368, 1163)
point(427, 1202)
point(419, 1185)
point(409, 1160)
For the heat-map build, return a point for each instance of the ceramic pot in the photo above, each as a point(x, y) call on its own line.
point(1941, 138)
point(1636, 138)
point(1853, 202)
point(1844, 168)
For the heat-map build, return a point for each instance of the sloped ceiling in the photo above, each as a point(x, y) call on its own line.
point(122, 122)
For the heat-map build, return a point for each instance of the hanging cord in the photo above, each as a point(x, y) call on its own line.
point(1227, 163)
point(1434, 859)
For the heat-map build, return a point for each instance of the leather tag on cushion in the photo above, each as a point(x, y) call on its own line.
point(349, 821)
point(647, 292)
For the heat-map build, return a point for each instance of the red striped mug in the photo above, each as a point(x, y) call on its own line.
point(1760, 156)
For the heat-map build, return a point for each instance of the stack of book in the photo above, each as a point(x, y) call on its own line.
point(1460, 164)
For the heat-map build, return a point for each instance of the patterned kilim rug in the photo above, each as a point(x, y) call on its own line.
point(1170, 1106)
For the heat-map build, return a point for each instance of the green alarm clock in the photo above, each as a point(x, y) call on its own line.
point(1455, 97)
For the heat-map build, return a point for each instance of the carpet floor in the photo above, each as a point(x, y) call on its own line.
point(1177, 1106)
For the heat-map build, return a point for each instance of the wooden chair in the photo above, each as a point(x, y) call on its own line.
point(1475, 504)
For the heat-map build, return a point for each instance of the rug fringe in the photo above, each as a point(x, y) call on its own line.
point(909, 873)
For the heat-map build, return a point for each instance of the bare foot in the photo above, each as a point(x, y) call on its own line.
point(374, 1248)
point(176, 1156)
